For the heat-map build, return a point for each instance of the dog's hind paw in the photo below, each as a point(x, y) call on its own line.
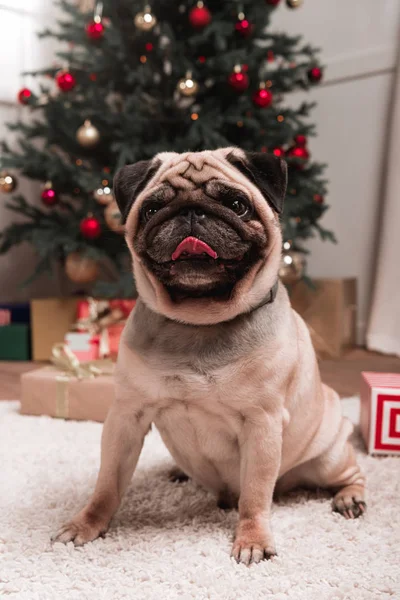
point(349, 502)
point(176, 475)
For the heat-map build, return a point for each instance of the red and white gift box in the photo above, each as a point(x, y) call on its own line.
point(380, 412)
point(84, 345)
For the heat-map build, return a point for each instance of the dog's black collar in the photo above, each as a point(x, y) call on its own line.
point(269, 298)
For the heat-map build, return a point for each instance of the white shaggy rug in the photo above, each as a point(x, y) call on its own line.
point(170, 540)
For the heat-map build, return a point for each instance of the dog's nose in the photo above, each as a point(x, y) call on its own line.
point(193, 214)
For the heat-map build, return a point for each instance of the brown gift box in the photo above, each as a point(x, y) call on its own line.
point(51, 319)
point(49, 391)
point(330, 313)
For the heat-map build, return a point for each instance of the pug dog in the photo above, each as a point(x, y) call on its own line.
point(213, 353)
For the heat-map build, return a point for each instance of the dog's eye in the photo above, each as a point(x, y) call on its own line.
point(239, 207)
point(150, 210)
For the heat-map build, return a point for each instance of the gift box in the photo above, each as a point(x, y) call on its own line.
point(84, 345)
point(380, 412)
point(54, 318)
point(329, 310)
point(20, 311)
point(15, 342)
point(69, 393)
point(51, 319)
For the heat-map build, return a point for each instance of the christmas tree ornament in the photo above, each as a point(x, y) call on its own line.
point(294, 3)
point(49, 195)
point(24, 96)
point(318, 199)
point(88, 135)
point(145, 21)
point(8, 182)
point(65, 80)
point(287, 245)
point(300, 140)
point(113, 218)
point(279, 152)
point(80, 268)
point(187, 86)
point(314, 75)
point(95, 29)
point(292, 267)
point(243, 26)
point(103, 194)
point(262, 97)
point(272, 2)
point(200, 16)
point(238, 80)
point(298, 152)
point(90, 227)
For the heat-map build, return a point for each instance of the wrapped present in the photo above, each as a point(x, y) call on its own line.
point(380, 412)
point(15, 342)
point(103, 321)
point(329, 310)
point(68, 389)
point(51, 320)
point(5, 316)
point(20, 311)
point(84, 345)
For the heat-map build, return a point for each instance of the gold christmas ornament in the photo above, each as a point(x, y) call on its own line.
point(88, 135)
point(294, 3)
point(113, 218)
point(7, 182)
point(103, 194)
point(292, 267)
point(187, 86)
point(145, 21)
point(80, 268)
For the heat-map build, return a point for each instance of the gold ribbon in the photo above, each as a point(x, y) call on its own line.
point(64, 359)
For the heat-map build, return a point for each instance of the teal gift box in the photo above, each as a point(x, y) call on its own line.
point(15, 342)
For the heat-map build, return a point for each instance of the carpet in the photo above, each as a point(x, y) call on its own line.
point(170, 540)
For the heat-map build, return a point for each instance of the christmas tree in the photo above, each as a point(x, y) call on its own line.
point(134, 80)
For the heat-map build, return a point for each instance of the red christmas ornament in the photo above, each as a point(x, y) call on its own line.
point(65, 81)
point(273, 2)
point(90, 228)
point(318, 199)
point(49, 196)
point(300, 140)
point(278, 151)
point(244, 27)
point(239, 81)
point(315, 75)
point(298, 152)
point(149, 46)
point(202, 59)
point(24, 95)
point(95, 30)
point(200, 16)
point(262, 98)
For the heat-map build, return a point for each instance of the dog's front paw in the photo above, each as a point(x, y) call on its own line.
point(83, 528)
point(252, 545)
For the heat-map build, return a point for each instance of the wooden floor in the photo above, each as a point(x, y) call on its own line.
point(342, 374)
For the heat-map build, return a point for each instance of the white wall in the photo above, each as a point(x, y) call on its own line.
point(359, 41)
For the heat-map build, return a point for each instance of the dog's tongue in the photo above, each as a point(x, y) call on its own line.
point(192, 245)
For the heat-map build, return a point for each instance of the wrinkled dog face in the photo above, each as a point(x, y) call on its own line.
point(197, 230)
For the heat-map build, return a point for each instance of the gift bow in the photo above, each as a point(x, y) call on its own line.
point(64, 359)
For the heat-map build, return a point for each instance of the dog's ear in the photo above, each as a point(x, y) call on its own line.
point(130, 181)
point(267, 172)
